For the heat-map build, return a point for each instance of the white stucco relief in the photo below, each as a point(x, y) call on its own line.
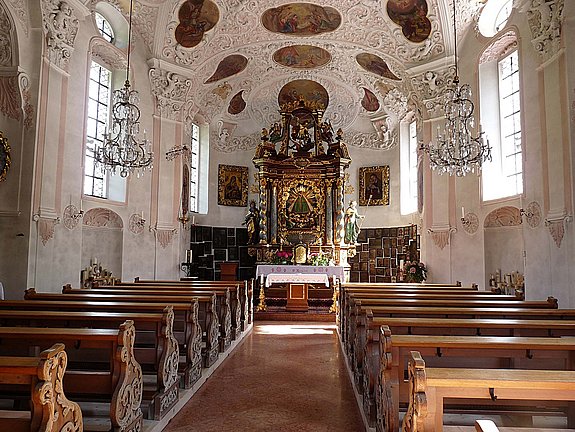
point(18, 8)
point(60, 28)
point(430, 87)
point(545, 19)
point(170, 90)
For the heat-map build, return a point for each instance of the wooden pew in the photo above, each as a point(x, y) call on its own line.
point(121, 385)
point(156, 348)
point(216, 321)
point(230, 294)
point(189, 325)
point(51, 411)
point(429, 387)
point(468, 352)
point(366, 378)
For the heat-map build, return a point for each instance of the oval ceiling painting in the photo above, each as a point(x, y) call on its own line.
point(301, 19)
point(369, 101)
point(229, 66)
point(237, 104)
point(310, 91)
point(196, 17)
point(302, 56)
point(411, 15)
point(376, 65)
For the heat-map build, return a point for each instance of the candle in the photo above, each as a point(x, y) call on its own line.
point(142, 214)
point(80, 205)
point(193, 220)
point(401, 265)
point(462, 212)
point(261, 280)
point(70, 199)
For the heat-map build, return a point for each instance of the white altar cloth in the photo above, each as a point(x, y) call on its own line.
point(269, 269)
point(318, 278)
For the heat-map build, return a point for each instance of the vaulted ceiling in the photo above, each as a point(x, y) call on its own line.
point(370, 62)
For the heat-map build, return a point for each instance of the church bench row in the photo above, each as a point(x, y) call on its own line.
point(112, 376)
point(213, 306)
point(430, 387)
point(41, 376)
point(236, 296)
point(350, 298)
point(155, 347)
point(188, 321)
point(455, 351)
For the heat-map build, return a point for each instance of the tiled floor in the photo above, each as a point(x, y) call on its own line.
point(284, 377)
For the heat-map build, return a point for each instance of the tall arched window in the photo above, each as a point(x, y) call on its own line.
point(103, 78)
point(500, 102)
point(408, 167)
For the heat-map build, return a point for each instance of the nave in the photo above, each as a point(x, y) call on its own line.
point(283, 377)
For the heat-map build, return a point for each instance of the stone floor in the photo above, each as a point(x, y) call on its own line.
point(283, 377)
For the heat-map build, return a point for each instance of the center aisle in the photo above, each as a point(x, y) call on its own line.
point(284, 377)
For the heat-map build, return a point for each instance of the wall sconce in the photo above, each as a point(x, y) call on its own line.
point(139, 220)
point(532, 214)
point(470, 221)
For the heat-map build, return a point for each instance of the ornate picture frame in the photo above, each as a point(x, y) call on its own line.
point(4, 157)
point(232, 185)
point(374, 185)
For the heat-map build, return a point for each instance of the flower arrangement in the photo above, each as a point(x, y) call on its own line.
point(282, 257)
point(319, 259)
point(414, 271)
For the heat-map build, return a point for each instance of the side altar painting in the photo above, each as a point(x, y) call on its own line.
point(232, 185)
point(374, 186)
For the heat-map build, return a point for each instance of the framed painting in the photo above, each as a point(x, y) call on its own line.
point(374, 185)
point(232, 185)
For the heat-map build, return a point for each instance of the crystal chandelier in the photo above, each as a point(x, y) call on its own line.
point(457, 151)
point(121, 151)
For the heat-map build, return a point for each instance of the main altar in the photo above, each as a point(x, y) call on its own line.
point(301, 165)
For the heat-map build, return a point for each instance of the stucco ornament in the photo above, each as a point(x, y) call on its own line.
point(60, 27)
point(440, 235)
point(431, 86)
point(557, 231)
point(46, 228)
point(106, 52)
point(10, 102)
point(29, 117)
point(165, 236)
point(545, 19)
point(6, 38)
point(170, 90)
point(20, 11)
point(470, 223)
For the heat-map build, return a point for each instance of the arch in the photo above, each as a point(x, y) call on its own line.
point(103, 238)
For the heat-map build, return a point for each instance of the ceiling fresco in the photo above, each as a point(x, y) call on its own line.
point(301, 19)
point(310, 91)
point(302, 56)
point(368, 57)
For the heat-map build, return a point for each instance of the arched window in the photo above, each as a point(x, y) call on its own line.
point(408, 167)
point(500, 102)
point(494, 17)
point(103, 78)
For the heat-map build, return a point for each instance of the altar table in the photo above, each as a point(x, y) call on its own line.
point(297, 278)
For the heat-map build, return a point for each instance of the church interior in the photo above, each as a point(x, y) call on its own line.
point(326, 160)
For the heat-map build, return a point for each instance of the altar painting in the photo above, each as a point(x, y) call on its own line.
point(232, 185)
point(374, 185)
point(301, 209)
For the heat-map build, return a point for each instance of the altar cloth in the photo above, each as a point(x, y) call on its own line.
point(268, 269)
point(318, 278)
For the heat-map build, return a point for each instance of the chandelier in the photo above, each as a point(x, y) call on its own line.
point(456, 150)
point(121, 151)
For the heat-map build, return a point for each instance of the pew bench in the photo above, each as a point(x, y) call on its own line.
point(209, 319)
point(189, 325)
point(557, 354)
point(430, 387)
point(101, 366)
point(155, 348)
point(41, 376)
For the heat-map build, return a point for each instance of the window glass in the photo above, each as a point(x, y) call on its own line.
point(494, 16)
point(97, 122)
point(194, 167)
point(104, 27)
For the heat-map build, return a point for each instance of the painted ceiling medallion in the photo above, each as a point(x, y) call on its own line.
point(302, 56)
point(411, 16)
point(313, 93)
point(369, 101)
point(301, 19)
point(376, 65)
point(196, 17)
point(237, 104)
point(229, 66)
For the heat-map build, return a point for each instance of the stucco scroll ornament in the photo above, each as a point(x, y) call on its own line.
point(170, 90)
point(440, 235)
point(431, 86)
point(136, 224)
point(545, 18)
point(556, 227)
point(470, 223)
point(19, 10)
point(6, 39)
point(10, 102)
point(60, 27)
point(24, 81)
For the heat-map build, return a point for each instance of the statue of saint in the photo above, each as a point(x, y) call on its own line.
point(352, 223)
point(252, 222)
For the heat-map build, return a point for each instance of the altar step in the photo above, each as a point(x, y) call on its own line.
point(279, 313)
